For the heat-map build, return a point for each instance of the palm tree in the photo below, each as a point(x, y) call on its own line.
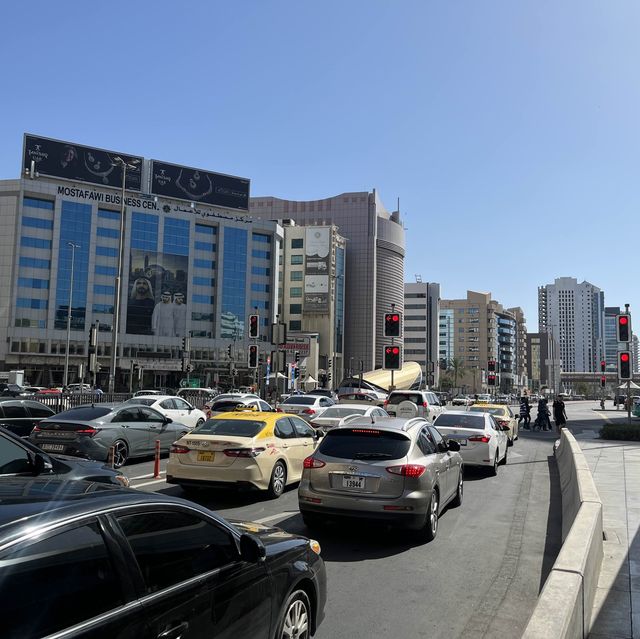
point(457, 367)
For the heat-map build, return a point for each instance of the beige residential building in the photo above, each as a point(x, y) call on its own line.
point(474, 331)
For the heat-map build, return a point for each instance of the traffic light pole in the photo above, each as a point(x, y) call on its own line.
point(393, 386)
point(626, 308)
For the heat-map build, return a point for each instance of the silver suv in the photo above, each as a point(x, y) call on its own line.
point(411, 403)
point(396, 471)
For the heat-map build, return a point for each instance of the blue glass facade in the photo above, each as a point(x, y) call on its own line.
point(234, 283)
point(75, 227)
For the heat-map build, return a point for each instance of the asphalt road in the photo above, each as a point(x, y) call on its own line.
point(479, 578)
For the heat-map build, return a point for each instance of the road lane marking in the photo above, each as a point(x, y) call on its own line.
point(148, 483)
point(264, 520)
point(141, 477)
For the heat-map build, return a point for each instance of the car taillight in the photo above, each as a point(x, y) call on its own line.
point(424, 404)
point(279, 410)
point(243, 452)
point(386, 403)
point(502, 422)
point(179, 450)
point(86, 430)
point(312, 462)
point(36, 429)
point(407, 470)
point(480, 438)
point(309, 411)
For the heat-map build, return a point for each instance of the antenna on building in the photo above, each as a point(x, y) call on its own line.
point(418, 279)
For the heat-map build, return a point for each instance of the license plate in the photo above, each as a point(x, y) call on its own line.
point(462, 442)
point(352, 481)
point(205, 456)
point(54, 448)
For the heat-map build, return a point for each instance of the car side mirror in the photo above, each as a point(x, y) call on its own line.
point(41, 464)
point(453, 445)
point(252, 549)
point(168, 420)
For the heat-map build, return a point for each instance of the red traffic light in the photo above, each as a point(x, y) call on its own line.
point(396, 350)
point(392, 322)
point(395, 318)
point(624, 328)
point(624, 357)
point(623, 320)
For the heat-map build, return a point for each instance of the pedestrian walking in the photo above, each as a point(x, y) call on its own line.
point(559, 413)
point(525, 412)
point(542, 420)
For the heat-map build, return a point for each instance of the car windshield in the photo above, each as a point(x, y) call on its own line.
point(396, 398)
point(230, 427)
point(307, 401)
point(227, 405)
point(460, 421)
point(84, 413)
point(139, 400)
point(338, 411)
point(364, 443)
point(487, 409)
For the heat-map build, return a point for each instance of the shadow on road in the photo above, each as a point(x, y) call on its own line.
point(553, 540)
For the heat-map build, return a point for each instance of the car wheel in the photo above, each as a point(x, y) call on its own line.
point(296, 617)
point(199, 422)
point(510, 441)
point(278, 480)
point(504, 460)
point(494, 468)
point(457, 500)
point(430, 529)
point(120, 453)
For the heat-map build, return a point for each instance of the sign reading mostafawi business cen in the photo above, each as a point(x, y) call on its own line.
point(184, 183)
point(317, 250)
point(81, 163)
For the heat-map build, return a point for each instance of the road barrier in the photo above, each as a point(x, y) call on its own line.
point(564, 607)
point(156, 462)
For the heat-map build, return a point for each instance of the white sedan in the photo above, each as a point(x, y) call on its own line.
point(342, 413)
point(483, 442)
point(176, 408)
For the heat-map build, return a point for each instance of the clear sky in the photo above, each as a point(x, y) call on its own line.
point(509, 130)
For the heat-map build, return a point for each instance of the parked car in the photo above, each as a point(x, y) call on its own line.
point(120, 563)
point(10, 390)
point(461, 400)
point(483, 442)
point(148, 393)
point(396, 471)
point(21, 415)
point(229, 402)
point(503, 415)
point(340, 413)
point(325, 392)
point(413, 404)
point(197, 396)
point(180, 410)
point(243, 449)
point(364, 398)
point(92, 430)
point(306, 406)
point(79, 389)
point(20, 458)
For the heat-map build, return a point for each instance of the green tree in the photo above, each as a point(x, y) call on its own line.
point(457, 368)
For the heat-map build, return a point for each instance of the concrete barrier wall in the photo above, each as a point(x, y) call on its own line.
point(564, 607)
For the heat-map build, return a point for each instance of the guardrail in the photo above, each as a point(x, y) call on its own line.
point(564, 607)
point(63, 401)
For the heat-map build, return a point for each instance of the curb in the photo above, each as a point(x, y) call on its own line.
point(564, 607)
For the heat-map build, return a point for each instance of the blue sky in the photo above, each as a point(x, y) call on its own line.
point(509, 130)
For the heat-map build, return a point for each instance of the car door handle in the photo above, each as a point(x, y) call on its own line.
point(153, 428)
point(284, 446)
point(176, 632)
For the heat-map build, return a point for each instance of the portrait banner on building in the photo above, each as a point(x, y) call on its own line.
point(317, 269)
point(185, 183)
point(157, 294)
point(82, 163)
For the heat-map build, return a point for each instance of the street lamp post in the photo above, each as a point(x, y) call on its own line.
point(118, 161)
point(66, 353)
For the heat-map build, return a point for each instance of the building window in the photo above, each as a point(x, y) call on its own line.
point(28, 282)
point(205, 246)
point(144, 231)
point(260, 304)
point(106, 251)
point(260, 288)
point(260, 270)
point(33, 262)
point(259, 237)
point(37, 223)
point(35, 242)
point(100, 289)
point(208, 264)
point(206, 230)
point(296, 309)
point(109, 215)
point(103, 308)
point(203, 281)
point(202, 317)
point(295, 291)
point(112, 233)
point(202, 299)
point(234, 283)
point(106, 270)
point(297, 243)
point(296, 259)
point(36, 203)
point(25, 302)
point(295, 325)
point(263, 255)
point(296, 276)
point(176, 237)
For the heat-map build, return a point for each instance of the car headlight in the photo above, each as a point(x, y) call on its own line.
point(123, 479)
point(315, 546)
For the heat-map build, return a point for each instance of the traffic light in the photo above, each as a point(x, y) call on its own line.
point(623, 324)
point(296, 373)
point(253, 356)
point(603, 366)
point(491, 379)
point(297, 357)
point(189, 368)
point(624, 365)
point(254, 326)
point(391, 357)
point(229, 350)
point(603, 381)
point(491, 367)
point(392, 322)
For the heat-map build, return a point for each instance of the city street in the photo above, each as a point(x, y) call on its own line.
point(479, 578)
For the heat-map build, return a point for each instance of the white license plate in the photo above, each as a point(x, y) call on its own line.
point(205, 456)
point(54, 448)
point(352, 481)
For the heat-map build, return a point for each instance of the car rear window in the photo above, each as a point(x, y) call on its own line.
point(231, 427)
point(227, 405)
point(84, 412)
point(138, 401)
point(486, 409)
point(307, 401)
point(396, 398)
point(364, 443)
point(336, 411)
point(460, 421)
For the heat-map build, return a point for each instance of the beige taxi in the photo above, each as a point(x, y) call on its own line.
point(245, 448)
point(503, 415)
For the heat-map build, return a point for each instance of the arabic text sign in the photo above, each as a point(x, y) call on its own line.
point(316, 271)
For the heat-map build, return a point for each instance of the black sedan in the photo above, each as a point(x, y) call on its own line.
point(122, 564)
point(20, 416)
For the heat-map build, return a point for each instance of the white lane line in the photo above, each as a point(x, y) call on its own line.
point(141, 477)
point(148, 483)
point(264, 520)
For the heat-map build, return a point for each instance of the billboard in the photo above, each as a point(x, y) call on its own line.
point(185, 183)
point(157, 294)
point(82, 163)
point(317, 250)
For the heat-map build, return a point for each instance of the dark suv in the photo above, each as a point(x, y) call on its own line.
point(81, 559)
point(21, 415)
point(10, 390)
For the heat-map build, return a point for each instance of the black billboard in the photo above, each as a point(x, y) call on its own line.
point(184, 183)
point(82, 163)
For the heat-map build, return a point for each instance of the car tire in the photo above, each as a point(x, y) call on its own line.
point(510, 442)
point(278, 480)
point(494, 469)
point(120, 453)
point(504, 459)
point(430, 529)
point(457, 500)
point(295, 620)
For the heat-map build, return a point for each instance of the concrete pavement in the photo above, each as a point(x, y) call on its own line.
point(615, 466)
